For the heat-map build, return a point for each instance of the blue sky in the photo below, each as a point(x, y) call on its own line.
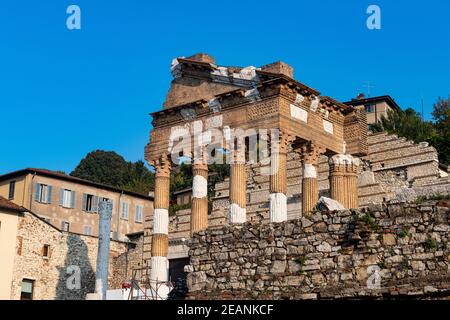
point(64, 93)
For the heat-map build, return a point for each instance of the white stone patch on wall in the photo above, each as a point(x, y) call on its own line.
point(299, 113)
point(214, 105)
point(252, 94)
point(175, 68)
point(327, 126)
point(214, 122)
point(159, 268)
point(199, 187)
point(299, 98)
point(314, 103)
point(278, 207)
point(161, 221)
point(247, 73)
point(309, 171)
point(237, 214)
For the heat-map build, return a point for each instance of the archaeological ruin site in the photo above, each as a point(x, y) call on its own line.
point(316, 206)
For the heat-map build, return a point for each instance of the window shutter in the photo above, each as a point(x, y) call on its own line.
point(49, 194)
point(37, 191)
point(61, 197)
point(84, 204)
point(72, 205)
point(95, 204)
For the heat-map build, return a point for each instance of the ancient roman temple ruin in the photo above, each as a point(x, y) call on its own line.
point(287, 145)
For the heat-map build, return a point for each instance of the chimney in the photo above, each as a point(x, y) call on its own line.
point(279, 67)
point(360, 96)
point(202, 57)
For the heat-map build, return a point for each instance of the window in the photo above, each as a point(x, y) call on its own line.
point(125, 207)
point(65, 226)
point(67, 198)
point(138, 216)
point(181, 199)
point(88, 230)
point(43, 193)
point(90, 203)
point(27, 289)
point(46, 251)
point(12, 188)
point(369, 108)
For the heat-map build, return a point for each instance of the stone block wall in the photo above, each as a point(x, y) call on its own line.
point(68, 252)
point(384, 251)
point(129, 264)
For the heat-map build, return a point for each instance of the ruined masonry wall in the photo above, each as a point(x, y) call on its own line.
point(329, 255)
point(50, 274)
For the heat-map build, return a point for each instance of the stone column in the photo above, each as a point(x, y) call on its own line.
point(238, 189)
point(278, 177)
point(104, 229)
point(310, 154)
point(344, 180)
point(160, 240)
point(199, 211)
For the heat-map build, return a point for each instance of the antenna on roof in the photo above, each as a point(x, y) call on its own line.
point(421, 98)
point(368, 86)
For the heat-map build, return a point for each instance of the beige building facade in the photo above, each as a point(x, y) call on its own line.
point(71, 204)
point(376, 107)
point(9, 219)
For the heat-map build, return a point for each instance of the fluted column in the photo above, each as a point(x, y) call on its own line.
point(344, 180)
point(278, 178)
point(160, 239)
point(238, 190)
point(310, 154)
point(199, 210)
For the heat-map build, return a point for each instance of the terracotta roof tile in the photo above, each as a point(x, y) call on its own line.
point(8, 205)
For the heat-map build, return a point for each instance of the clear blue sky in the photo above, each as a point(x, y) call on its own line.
point(64, 93)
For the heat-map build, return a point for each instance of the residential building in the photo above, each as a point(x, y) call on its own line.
point(375, 107)
point(41, 262)
point(71, 204)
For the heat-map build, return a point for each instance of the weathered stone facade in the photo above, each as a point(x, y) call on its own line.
point(53, 275)
point(129, 264)
point(318, 147)
point(380, 251)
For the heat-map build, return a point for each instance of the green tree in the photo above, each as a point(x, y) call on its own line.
point(407, 123)
point(139, 179)
point(107, 167)
point(441, 117)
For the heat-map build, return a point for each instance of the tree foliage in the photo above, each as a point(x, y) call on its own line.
point(441, 117)
point(107, 167)
point(407, 123)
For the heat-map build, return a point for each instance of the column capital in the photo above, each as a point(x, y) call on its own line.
point(343, 163)
point(162, 165)
point(310, 152)
point(344, 159)
point(279, 143)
